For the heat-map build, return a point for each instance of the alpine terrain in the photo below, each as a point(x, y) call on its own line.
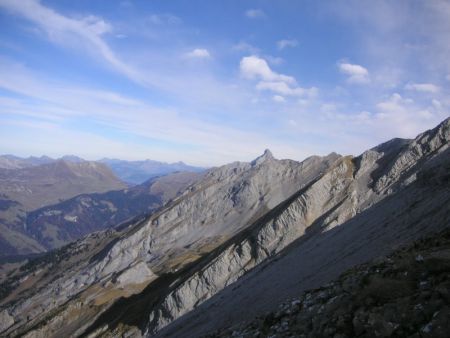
point(137, 172)
point(239, 241)
point(34, 186)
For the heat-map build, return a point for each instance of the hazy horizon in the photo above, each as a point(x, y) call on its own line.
point(209, 83)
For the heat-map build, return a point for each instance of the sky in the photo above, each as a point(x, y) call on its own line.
point(211, 82)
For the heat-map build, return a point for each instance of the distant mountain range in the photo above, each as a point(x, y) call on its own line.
point(46, 203)
point(131, 172)
point(137, 172)
point(36, 186)
point(15, 162)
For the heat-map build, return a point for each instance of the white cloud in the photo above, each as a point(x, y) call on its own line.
point(255, 14)
point(423, 87)
point(284, 89)
point(275, 86)
point(356, 73)
point(282, 44)
point(97, 25)
point(198, 53)
point(395, 105)
point(254, 67)
point(404, 116)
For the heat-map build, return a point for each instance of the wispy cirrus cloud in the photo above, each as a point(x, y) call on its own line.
point(161, 72)
point(89, 30)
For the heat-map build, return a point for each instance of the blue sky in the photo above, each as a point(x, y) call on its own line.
point(209, 82)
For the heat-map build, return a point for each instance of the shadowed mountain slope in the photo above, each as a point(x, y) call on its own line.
point(404, 294)
point(37, 186)
point(56, 225)
point(87, 213)
point(26, 189)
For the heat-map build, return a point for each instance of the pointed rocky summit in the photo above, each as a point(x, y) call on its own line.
point(266, 156)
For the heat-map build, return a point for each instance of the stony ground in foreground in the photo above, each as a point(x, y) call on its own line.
point(406, 294)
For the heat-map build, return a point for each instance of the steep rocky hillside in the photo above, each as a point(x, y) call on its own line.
point(30, 188)
point(86, 213)
point(58, 224)
point(245, 237)
point(37, 186)
point(15, 162)
point(406, 294)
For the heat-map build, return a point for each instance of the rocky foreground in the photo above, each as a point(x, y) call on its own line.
point(406, 294)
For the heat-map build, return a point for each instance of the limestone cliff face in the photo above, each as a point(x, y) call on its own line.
point(237, 218)
point(221, 205)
